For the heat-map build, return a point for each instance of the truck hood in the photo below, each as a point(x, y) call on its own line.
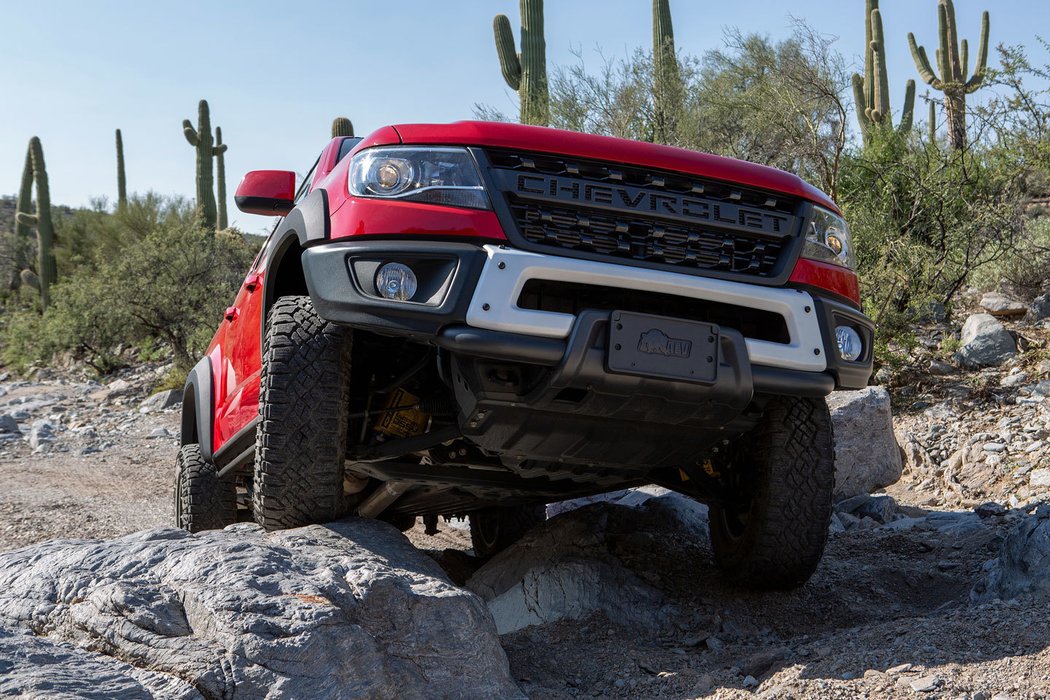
point(540, 139)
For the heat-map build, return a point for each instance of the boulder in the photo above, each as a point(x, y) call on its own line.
point(8, 424)
point(1023, 565)
point(41, 433)
point(580, 563)
point(998, 304)
point(161, 400)
point(867, 456)
point(985, 342)
point(1039, 309)
point(349, 609)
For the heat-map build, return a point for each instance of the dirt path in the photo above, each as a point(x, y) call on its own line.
point(887, 615)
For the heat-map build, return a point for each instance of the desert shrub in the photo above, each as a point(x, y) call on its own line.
point(167, 290)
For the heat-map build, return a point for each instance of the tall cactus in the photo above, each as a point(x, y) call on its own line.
point(201, 139)
point(220, 174)
point(871, 93)
point(667, 76)
point(953, 62)
point(525, 72)
point(46, 270)
point(122, 183)
point(341, 126)
point(931, 124)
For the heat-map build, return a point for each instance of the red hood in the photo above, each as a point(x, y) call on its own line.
point(544, 140)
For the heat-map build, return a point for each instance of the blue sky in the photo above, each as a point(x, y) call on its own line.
point(276, 73)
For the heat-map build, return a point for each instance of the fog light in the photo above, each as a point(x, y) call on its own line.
point(396, 281)
point(850, 345)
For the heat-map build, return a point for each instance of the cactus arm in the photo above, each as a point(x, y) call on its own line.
point(922, 63)
point(509, 62)
point(190, 133)
point(25, 198)
point(535, 97)
point(858, 99)
point(964, 59)
point(982, 56)
point(26, 219)
point(880, 78)
point(30, 279)
point(931, 125)
point(908, 113)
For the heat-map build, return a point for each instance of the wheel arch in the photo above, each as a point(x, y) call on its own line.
point(197, 408)
point(307, 224)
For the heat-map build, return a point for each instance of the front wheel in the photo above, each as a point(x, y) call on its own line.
point(303, 396)
point(494, 529)
point(770, 530)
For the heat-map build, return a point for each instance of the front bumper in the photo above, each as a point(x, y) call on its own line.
point(468, 304)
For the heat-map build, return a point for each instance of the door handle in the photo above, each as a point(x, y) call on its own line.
point(251, 282)
point(232, 313)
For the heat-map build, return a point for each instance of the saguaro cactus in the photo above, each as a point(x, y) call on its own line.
point(667, 76)
point(871, 93)
point(201, 139)
point(525, 72)
point(341, 126)
point(46, 270)
point(122, 183)
point(953, 62)
point(220, 167)
point(931, 125)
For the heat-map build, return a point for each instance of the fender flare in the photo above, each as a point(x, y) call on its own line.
point(197, 408)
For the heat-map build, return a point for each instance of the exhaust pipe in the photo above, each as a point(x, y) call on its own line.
point(382, 498)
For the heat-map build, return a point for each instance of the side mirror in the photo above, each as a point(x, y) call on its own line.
point(266, 192)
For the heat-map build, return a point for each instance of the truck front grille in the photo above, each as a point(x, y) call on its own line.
point(603, 210)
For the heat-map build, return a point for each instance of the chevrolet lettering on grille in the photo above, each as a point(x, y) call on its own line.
point(644, 201)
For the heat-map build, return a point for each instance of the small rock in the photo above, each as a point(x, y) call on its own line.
point(715, 644)
point(1001, 305)
point(750, 682)
point(926, 684)
point(985, 342)
point(940, 368)
point(40, 434)
point(1039, 309)
point(161, 401)
point(897, 670)
point(991, 509)
point(1039, 478)
point(1015, 379)
point(160, 433)
point(867, 456)
point(994, 447)
point(8, 424)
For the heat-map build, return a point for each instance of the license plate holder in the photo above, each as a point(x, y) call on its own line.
point(657, 346)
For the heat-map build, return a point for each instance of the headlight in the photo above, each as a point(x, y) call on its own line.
point(828, 239)
point(434, 175)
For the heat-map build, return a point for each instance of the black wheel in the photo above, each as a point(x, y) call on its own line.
point(771, 530)
point(203, 501)
point(494, 529)
point(303, 398)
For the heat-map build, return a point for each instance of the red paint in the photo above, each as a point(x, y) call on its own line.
point(272, 190)
point(371, 217)
point(833, 278)
point(543, 140)
point(236, 389)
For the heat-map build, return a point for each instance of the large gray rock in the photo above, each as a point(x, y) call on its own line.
point(998, 304)
point(985, 342)
point(580, 563)
point(1023, 565)
point(867, 456)
point(8, 424)
point(346, 610)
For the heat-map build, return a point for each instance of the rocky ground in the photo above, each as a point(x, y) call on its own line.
point(937, 588)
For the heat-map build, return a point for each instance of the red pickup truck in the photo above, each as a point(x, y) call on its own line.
point(476, 319)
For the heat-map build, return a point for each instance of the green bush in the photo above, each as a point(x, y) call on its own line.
point(166, 289)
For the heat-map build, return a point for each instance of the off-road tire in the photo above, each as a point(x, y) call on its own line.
point(301, 441)
point(494, 529)
point(772, 534)
point(203, 501)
